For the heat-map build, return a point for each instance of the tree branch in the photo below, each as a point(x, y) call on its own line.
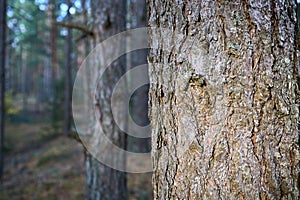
point(75, 26)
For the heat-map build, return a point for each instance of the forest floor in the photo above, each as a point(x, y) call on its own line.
point(40, 164)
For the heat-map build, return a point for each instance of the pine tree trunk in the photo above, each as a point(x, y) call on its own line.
point(104, 182)
point(53, 36)
point(223, 99)
point(85, 43)
point(139, 106)
point(2, 78)
point(68, 76)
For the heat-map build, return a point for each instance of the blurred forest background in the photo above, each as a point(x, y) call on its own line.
point(46, 41)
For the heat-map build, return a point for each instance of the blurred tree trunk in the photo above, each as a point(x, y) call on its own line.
point(103, 182)
point(223, 99)
point(13, 70)
point(85, 50)
point(53, 36)
point(7, 62)
point(139, 109)
point(24, 76)
point(2, 78)
point(68, 76)
point(87, 157)
point(85, 45)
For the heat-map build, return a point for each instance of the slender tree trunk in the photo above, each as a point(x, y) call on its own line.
point(104, 182)
point(223, 99)
point(85, 50)
point(139, 106)
point(24, 77)
point(87, 157)
point(85, 22)
point(7, 63)
point(12, 71)
point(68, 77)
point(2, 78)
point(53, 41)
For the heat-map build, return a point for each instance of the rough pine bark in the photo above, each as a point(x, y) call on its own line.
point(104, 182)
point(223, 96)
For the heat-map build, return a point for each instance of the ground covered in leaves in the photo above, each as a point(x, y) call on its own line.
point(42, 164)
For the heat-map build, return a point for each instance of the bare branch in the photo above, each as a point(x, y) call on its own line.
point(75, 26)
